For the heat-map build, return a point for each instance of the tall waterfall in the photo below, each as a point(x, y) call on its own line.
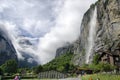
point(91, 37)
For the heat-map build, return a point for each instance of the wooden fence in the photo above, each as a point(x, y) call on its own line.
point(51, 74)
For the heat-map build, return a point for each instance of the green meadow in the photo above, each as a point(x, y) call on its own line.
point(101, 77)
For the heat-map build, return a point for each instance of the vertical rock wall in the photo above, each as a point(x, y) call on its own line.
point(108, 31)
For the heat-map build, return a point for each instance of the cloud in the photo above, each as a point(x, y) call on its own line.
point(45, 23)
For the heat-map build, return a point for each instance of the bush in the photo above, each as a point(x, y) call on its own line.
point(105, 67)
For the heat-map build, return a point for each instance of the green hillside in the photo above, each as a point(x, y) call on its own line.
point(61, 63)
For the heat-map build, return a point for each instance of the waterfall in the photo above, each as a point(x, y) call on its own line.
point(91, 37)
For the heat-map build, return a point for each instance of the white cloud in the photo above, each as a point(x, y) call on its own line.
point(9, 29)
point(53, 23)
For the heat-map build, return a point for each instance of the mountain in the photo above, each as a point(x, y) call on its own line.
point(27, 47)
point(99, 32)
point(64, 50)
point(7, 50)
point(28, 61)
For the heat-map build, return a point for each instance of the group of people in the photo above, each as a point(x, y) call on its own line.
point(17, 77)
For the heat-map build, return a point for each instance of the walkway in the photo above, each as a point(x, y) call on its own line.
point(71, 79)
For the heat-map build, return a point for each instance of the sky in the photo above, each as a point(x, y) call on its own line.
point(46, 24)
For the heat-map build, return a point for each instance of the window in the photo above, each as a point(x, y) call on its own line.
point(117, 59)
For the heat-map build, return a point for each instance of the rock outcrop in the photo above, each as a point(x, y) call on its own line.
point(64, 50)
point(7, 50)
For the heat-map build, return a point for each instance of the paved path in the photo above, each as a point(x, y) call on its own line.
point(52, 79)
point(71, 79)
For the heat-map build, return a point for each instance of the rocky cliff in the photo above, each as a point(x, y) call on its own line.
point(63, 50)
point(106, 34)
point(7, 50)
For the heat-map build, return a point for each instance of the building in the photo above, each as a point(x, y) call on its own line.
point(112, 59)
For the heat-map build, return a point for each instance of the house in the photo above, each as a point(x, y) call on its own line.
point(113, 59)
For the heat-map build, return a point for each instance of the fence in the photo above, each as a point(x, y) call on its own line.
point(51, 74)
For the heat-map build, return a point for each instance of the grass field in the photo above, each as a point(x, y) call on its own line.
point(52, 79)
point(36, 79)
point(101, 77)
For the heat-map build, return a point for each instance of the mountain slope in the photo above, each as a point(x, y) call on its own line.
point(7, 51)
point(62, 63)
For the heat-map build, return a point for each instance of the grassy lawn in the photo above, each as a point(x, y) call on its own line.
point(36, 79)
point(101, 77)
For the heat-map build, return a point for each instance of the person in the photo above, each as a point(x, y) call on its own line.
point(19, 77)
point(90, 78)
point(0, 77)
point(16, 77)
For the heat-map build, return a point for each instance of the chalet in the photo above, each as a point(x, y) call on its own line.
point(112, 59)
point(83, 71)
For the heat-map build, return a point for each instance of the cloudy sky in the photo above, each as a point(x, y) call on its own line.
point(46, 24)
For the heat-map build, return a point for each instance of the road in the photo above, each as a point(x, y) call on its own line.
point(71, 79)
point(51, 79)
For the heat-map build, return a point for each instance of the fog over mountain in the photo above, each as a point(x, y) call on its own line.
point(39, 27)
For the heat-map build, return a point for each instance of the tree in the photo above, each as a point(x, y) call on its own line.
point(37, 69)
point(61, 63)
point(1, 72)
point(60, 68)
point(10, 66)
point(85, 65)
point(95, 59)
point(105, 66)
point(66, 67)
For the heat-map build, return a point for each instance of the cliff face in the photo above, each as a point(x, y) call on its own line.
point(108, 32)
point(107, 37)
point(81, 45)
point(7, 50)
point(64, 50)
